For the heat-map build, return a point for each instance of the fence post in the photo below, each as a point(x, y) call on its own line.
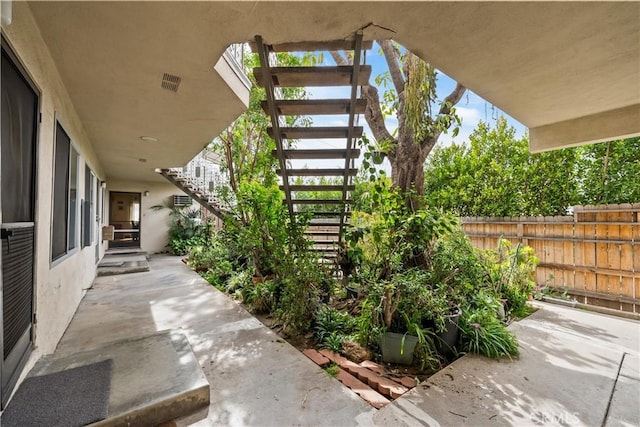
point(595, 252)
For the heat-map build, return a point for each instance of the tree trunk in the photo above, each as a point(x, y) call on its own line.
point(408, 154)
point(406, 171)
point(407, 163)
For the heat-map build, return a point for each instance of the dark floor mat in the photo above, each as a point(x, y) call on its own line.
point(75, 397)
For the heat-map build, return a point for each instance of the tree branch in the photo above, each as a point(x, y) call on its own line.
point(340, 60)
point(373, 115)
point(392, 56)
point(229, 158)
point(430, 140)
point(427, 143)
point(452, 99)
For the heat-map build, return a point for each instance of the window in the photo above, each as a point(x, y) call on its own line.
point(89, 207)
point(73, 198)
point(65, 196)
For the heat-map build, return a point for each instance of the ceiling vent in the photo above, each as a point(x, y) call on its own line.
point(170, 82)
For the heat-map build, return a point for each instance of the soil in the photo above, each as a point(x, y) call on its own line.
point(307, 341)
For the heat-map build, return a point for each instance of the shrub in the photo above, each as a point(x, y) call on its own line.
point(260, 296)
point(369, 325)
point(333, 342)
point(513, 272)
point(186, 229)
point(239, 281)
point(297, 305)
point(331, 324)
point(484, 334)
point(459, 266)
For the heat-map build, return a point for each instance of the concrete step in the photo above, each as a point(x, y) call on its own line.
point(113, 264)
point(155, 379)
point(125, 251)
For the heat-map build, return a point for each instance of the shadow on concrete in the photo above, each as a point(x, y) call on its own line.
point(565, 375)
point(256, 378)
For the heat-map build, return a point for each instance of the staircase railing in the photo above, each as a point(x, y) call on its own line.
point(204, 180)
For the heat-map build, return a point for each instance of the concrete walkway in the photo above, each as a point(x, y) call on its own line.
point(255, 377)
point(575, 368)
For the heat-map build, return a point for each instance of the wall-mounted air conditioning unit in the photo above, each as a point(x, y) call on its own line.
point(179, 200)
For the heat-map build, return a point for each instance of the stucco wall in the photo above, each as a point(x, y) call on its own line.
point(58, 286)
point(154, 224)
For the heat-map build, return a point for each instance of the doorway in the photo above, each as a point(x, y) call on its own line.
point(124, 215)
point(19, 117)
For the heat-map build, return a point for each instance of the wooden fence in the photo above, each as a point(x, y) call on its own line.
point(594, 255)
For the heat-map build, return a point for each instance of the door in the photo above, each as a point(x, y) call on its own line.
point(19, 117)
point(124, 215)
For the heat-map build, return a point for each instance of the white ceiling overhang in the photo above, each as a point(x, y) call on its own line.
point(569, 71)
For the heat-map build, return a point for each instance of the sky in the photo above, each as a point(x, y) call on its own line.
point(471, 109)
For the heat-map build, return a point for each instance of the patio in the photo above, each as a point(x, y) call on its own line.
point(575, 367)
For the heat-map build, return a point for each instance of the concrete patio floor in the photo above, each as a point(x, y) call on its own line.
point(575, 367)
point(255, 377)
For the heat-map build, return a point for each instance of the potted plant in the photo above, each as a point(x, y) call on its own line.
point(448, 336)
point(397, 243)
point(398, 348)
point(400, 301)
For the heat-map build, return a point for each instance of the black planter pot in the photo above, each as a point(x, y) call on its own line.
point(352, 292)
point(347, 268)
point(448, 338)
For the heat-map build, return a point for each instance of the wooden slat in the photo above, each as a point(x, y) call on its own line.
point(592, 254)
point(318, 172)
point(618, 298)
point(319, 187)
point(313, 46)
point(315, 107)
point(325, 224)
point(322, 233)
point(318, 132)
point(338, 153)
point(319, 201)
point(568, 257)
point(324, 249)
point(351, 134)
point(275, 121)
point(319, 214)
point(313, 76)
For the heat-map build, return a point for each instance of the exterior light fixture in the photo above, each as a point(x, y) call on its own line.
point(146, 193)
point(148, 139)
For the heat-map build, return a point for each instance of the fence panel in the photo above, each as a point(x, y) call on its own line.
point(594, 255)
